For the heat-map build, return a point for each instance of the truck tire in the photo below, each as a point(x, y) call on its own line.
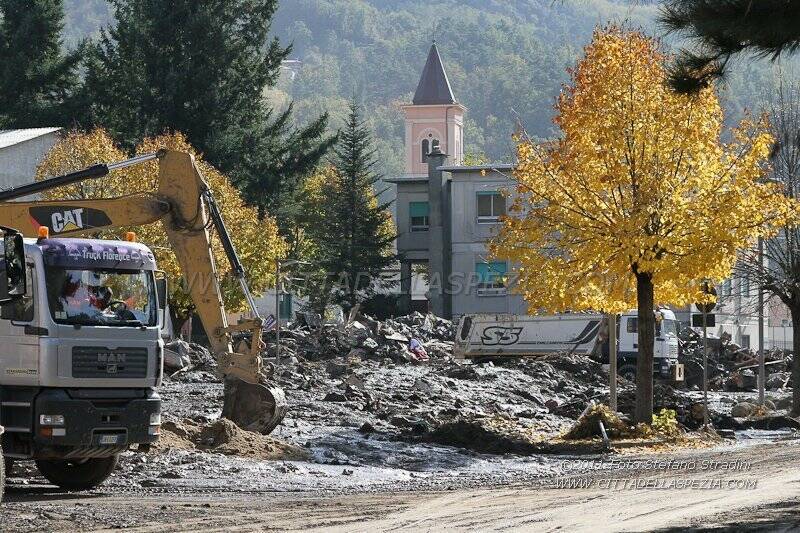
point(82, 474)
point(628, 372)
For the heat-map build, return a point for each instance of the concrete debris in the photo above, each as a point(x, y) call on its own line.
point(179, 355)
point(415, 337)
point(730, 367)
point(358, 394)
point(743, 410)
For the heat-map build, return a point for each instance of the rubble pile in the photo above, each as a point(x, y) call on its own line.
point(360, 393)
point(588, 424)
point(367, 380)
point(492, 407)
point(730, 367)
point(415, 337)
point(181, 356)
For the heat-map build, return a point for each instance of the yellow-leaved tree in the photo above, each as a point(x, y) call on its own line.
point(639, 200)
point(257, 241)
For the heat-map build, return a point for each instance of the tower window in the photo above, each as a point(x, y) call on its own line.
point(426, 149)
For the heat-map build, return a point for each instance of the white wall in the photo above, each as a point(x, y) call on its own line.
point(18, 162)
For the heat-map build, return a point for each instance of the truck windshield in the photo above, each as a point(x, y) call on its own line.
point(669, 327)
point(101, 297)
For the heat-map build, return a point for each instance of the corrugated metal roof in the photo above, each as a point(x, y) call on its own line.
point(434, 87)
point(12, 137)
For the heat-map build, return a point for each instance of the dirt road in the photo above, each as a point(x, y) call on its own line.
point(754, 488)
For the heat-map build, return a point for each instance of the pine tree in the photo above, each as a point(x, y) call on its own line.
point(37, 80)
point(201, 68)
point(767, 28)
point(352, 231)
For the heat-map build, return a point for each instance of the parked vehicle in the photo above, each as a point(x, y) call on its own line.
point(485, 335)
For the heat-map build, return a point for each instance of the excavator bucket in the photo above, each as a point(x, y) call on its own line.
point(252, 406)
point(258, 408)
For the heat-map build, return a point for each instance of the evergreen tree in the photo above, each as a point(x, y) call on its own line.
point(201, 68)
point(37, 80)
point(766, 28)
point(352, 232)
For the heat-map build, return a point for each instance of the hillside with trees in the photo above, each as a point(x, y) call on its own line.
point(506, 60)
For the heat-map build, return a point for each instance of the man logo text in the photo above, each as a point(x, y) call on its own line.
point(69, 220)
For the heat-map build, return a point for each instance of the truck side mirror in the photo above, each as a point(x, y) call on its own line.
point(12, 277)
point(162, 292)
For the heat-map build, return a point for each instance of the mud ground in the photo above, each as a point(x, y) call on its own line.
point(531, 503)
point(368, 464)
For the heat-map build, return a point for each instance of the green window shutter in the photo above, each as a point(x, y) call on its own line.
point(418, 209)
point(482, 270)
point(498, 268)
point(497, 271)
point(491, 271)
point(285, 310)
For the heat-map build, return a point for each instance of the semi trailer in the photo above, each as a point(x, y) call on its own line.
point(481, 336)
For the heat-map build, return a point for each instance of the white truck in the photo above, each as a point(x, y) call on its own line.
point(502, 335)
point(77, 384)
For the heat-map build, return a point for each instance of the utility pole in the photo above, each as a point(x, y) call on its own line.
point(705, 368)
point(278, 309)
point(762, 373)
point(612, 360)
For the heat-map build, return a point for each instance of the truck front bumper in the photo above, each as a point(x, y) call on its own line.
point(94, 420)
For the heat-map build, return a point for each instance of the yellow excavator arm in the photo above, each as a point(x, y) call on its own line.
point(185, 205)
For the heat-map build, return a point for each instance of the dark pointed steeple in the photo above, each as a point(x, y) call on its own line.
point(434, 87)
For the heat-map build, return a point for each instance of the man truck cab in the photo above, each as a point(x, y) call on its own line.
point(80, 356)
point(665, 348)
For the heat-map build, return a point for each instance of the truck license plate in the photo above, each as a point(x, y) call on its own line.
point(109, 439)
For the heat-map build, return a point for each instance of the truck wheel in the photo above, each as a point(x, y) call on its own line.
point(79, 474)
point(628, 372)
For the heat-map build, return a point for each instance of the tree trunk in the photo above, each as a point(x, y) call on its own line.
point(644, 361)
point(795, 361)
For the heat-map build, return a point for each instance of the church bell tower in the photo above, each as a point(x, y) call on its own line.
point(434, 118)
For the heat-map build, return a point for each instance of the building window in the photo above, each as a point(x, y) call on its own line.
point(418, 212)
point(491, 206)
point(426, 149)
point(726, 287)
point(744, 285)
point(633, 325)
point(491, 277)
